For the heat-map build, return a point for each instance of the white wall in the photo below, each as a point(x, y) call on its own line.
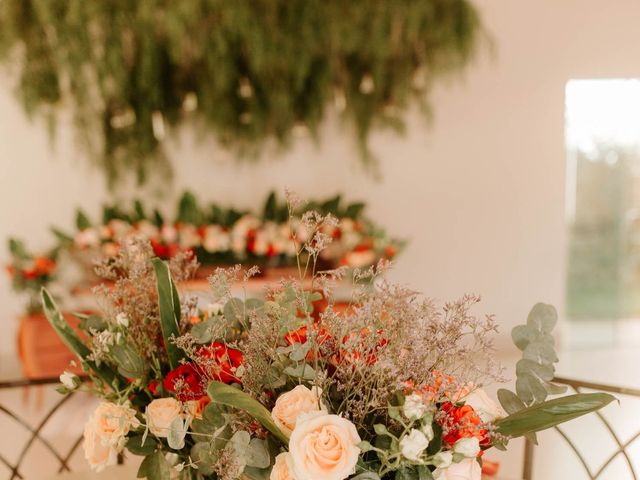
point(480, 194)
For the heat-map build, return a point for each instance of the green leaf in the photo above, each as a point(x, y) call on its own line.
point(530, 389)
point(301, 371)
point(136, 446)
point(551, 413)
point(201, 332)
point(189, 211)
point(354, 210)
point(366, 476)
point(169, 303)
point(536, 370)
point(522, 335)
point(71, 340)
point(424, 473)
point(540, 351)
point(177, 432)
point(257, 455)
point(155, 467)
point(158, 219)
point(18, 250)
point(91, 322)
point(205, 456)
point(299, 351)
point(63, 237)
point(130, 363)
point(252, 473)
point(138, 209)
point(406, 473)
point(232, 397)
point(270, 208)
point(543, 317)
point(331, 205)
point(543, 371)
point(510, 401)
point(82, 221)
point(253, 305)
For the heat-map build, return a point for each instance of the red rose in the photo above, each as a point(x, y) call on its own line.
point(185, 382)
point(225, 362)
point(163, 250)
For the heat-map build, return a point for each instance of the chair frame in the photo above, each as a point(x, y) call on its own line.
point(578, 386)
point(62, 457)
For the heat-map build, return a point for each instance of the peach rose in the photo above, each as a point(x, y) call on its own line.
point(290, 405)
point(112, 422)
point(98, 455)
point(467, 469)
point(105, 433)
point(324, 447)
point(160, 413)
point(282, 468)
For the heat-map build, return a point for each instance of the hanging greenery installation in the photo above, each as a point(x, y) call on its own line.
point(249, 71)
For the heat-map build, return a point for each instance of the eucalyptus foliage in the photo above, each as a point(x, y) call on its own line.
point(249, 71)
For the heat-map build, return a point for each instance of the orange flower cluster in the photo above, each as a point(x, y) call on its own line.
point(40, 267)
point(340, 354)
point(443, 386)
point(462, 422)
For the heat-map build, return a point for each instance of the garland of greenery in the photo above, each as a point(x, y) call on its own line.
point(248, 70)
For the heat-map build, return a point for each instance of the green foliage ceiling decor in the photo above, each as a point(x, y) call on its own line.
point(248, 70)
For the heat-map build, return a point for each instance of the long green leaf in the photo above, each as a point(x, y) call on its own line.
point(169, 303)
point(232, 397)
point(551, 413)
point(71, 340)
point(154, 467)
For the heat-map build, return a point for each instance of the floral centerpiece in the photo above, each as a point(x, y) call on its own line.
point(226, 236)
point(253, 389)
point(30, 272)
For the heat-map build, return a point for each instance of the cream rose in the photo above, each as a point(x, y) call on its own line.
point(413, 445)
point(414, 407)
point(467, 469)
point(324, 447)
point(160, 413)
point(282, 468)
point(113, 422)
point(468, 446)
point(486, 408)
point(99, 455)
point(290, 405)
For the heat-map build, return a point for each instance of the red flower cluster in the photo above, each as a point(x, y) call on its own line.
point(218, 362)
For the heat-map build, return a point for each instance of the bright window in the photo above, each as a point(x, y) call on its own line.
point(603, 199)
